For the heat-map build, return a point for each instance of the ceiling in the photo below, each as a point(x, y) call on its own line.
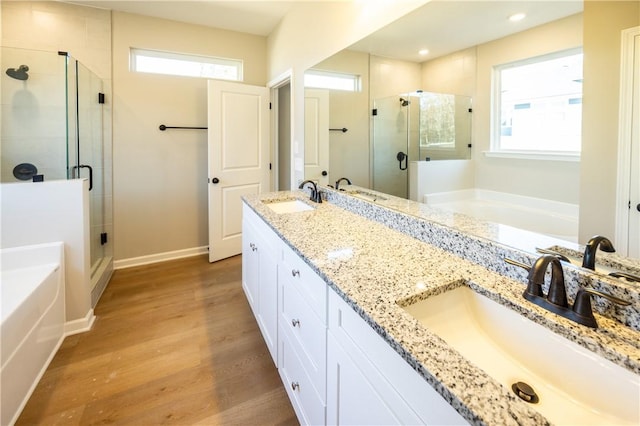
point(446, 26)
point(442, 26)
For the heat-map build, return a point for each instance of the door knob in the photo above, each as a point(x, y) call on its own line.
point(215, 180)
point(638, 207)
point(324, 173)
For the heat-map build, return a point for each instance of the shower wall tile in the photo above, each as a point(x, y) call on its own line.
point(84, 32)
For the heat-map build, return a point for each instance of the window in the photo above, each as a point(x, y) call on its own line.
point(437, 120)
point(538, 105)
point(156, 62)
point(332, 81)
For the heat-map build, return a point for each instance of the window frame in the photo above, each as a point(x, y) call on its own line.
point(135, 52)
point(496, 113)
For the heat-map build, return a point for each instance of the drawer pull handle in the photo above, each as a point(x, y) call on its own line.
point(295, 322)
point(295, 272)
point(295, 385)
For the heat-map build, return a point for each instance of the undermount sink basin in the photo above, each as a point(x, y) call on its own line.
point(289, 206)
point(574, 385)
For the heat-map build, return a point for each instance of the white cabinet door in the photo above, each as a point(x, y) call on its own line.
point(268, 292)
point(354, 399)
point(382, 372)
point(260, 247)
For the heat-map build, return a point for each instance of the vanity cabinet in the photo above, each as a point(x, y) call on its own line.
point(260, 250)
point(369, 383)
point(335, 368)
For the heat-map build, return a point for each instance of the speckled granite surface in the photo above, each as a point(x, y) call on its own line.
point(374, 267)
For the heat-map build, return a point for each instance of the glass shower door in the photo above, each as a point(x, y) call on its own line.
point(392, 143)
point(86, 152)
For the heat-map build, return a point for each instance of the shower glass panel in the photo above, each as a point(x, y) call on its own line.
point(33, 121)
point(445, 127)
point(417, 126)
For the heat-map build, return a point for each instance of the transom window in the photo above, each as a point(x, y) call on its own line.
point(538, 105)
point(331, 80)
point(157, 62)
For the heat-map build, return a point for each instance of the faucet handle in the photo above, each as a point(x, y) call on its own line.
point(582, 305)
point(516, 263)
point(626, 276)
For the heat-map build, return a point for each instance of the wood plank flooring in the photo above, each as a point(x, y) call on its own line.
point(173, 343)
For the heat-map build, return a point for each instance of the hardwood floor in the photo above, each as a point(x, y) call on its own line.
point(173, 343)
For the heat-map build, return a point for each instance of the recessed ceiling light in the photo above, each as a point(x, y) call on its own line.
point(517, 17)
point(423, 52)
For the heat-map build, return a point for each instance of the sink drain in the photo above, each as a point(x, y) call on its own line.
point(525, 392)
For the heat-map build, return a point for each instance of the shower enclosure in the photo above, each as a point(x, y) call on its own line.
point(418, 126)
point(52, 127)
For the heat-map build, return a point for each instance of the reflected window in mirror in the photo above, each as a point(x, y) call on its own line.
point(538, 105)
point(330, 80)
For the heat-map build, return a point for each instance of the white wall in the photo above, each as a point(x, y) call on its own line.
point(160, 178)
point(34, 213)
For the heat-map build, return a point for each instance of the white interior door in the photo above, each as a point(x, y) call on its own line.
point(316, 135)
point(238, 159)
point(627, 238)
point(634, 195)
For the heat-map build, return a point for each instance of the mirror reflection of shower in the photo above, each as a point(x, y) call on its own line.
point(20, 73)
point(417, 126)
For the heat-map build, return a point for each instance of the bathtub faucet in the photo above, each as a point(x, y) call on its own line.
point(589, 260)
point(315, 193)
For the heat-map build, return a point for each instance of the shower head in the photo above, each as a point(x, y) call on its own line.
point(404, 102)
point(20, 73)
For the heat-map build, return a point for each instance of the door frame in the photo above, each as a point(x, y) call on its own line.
point(625, 142)
point(284, 79)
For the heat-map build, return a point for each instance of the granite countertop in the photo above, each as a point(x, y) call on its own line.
point(375, 269)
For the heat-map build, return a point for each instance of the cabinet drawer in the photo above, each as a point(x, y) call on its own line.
point(294, 271)
point(308, 405)
point(307, 333)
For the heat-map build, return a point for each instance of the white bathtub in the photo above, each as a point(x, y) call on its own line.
point(33, 317)
point(552, 218)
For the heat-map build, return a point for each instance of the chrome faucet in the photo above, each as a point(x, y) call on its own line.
point(315, 193)
point(556, 299)
point(340, 180)
point(589, 260)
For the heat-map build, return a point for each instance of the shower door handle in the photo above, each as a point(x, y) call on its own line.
point(74, 176)
point(401, 156)
point(84, 166)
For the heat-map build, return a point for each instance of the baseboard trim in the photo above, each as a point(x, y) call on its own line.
point(80, 325)
point(159, 257)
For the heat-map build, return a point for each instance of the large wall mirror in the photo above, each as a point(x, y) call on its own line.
point(450, 146)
